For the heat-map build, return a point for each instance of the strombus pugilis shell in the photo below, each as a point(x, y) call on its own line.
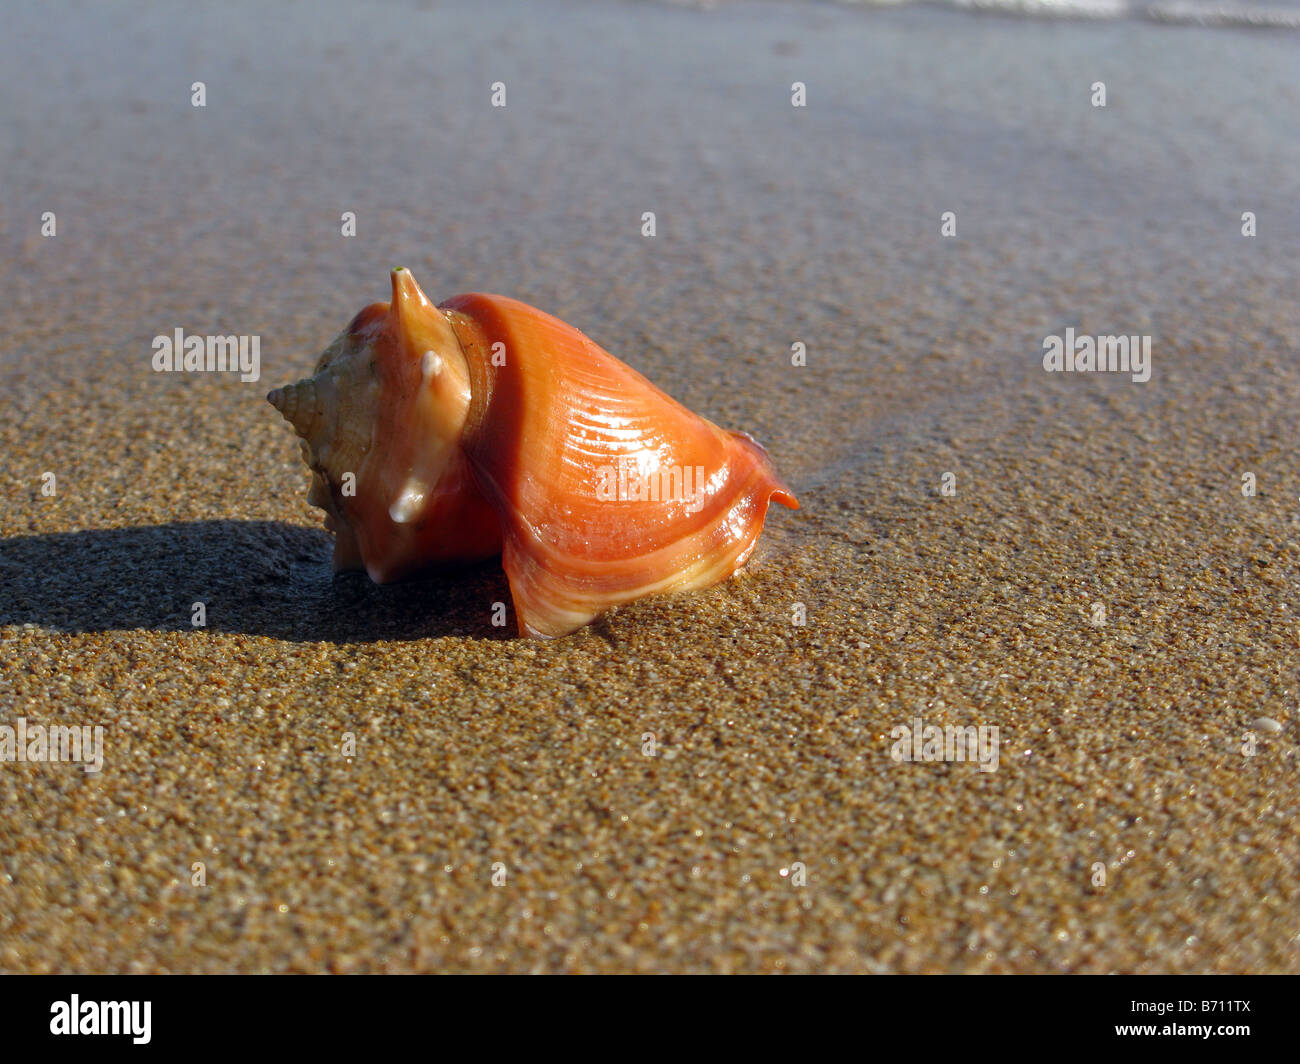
point(483, 426)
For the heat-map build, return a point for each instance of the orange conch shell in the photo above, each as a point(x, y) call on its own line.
point(484, 426)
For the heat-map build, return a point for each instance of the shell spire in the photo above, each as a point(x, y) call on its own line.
point(297, 404)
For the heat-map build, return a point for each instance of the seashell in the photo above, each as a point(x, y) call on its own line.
point(483, 426)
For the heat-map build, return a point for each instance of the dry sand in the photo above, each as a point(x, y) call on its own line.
point(1123, 744)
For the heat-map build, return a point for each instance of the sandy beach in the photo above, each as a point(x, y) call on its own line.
point(332, 776)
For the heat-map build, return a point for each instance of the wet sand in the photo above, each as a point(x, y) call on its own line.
point(1142, 813)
